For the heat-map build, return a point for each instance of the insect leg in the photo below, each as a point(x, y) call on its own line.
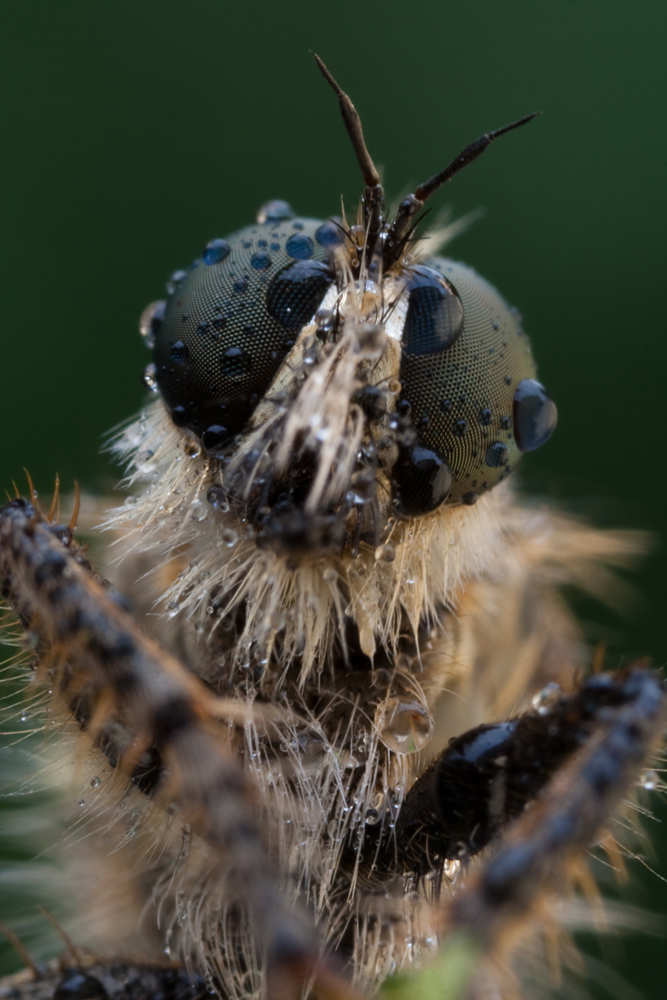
point(105, 664)
point(485, 778)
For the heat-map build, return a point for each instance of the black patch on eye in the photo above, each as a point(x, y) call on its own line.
point(294, 294)
point(434, 318)
point(421, 481)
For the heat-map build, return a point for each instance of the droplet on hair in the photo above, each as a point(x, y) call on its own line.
point(405, 726)
point(649, 780)
point(547, 698)
point(199, 510)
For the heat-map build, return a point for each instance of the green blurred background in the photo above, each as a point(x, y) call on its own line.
point(133, 132)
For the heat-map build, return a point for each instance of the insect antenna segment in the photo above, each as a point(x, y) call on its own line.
point(395, 237)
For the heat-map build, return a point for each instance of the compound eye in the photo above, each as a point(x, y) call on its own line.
point(470, 405)
point(232, 319)
point(434, 319)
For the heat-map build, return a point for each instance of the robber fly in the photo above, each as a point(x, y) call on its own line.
point(345, 731)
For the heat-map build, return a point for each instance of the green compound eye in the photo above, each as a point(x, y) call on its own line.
point(468, 378)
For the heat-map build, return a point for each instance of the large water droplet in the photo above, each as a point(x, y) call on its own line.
point(275, 211)
point(215, 436)
point(299, 246)
point(150, 322)
point(95, 782)
point(330, 233)
point(535, 415)
point(216, 251)
point(405, 726)
point(422, 481)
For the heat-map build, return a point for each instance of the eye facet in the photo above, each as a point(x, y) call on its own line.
point(468, 373)
point(231, 320)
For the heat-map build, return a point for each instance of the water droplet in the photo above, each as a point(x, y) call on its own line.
point(497, 454)
point(275, 211)
point(460, 427)
point(387, 452)
point(385, 553)
point(229, 537)
point(649, 780)
point(216, 251)
point(180, 416)
point(235, 362)
point(95, 782)
point(451, 868)
point(150, 322)
point(173, 608)
point(174, 281)
point(405, 726)
point(217, 497)
point(296, 292)
point(142, 460)
point(485, 416)
point(421, 480)
point(547, 698)
point(24, 716)
point(215, 436)
point(535, 415)
point(330, 233)
point(260, 261)
point(199, 510)
point(330, 575)
point(325, 320)
point(372, 817)
point(434, 320)
point(82, 802)
point(299, 246)
point(150, 377)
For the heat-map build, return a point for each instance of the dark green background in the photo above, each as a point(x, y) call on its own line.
point(135, 131)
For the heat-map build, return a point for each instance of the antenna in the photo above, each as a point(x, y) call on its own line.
point(401, 227)
point(373, 196)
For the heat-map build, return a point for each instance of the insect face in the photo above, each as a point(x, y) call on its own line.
point(443, 385)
